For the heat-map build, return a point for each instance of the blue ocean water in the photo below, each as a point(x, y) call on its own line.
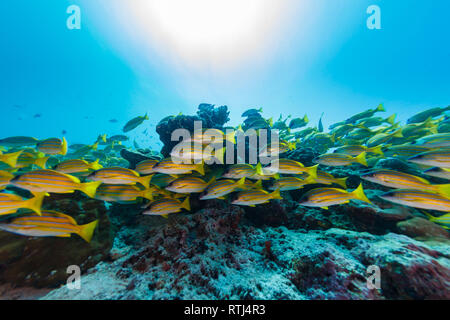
point(320, 57)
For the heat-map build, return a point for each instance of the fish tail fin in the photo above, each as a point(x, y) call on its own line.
point(380, 107)
point(200, 168)
point(148, 194)
point(376, 150)
point(429, 216)
point(41, 162)
point(185, 204)
point(258, 184)
point(146, 117)
point(211, 180)
point(95, 146)
point(444, 189)
point(276, 194)
point(391, 119)
point(342, 182)
point(361, 158)
point(64, 146)
point(240, 182)
point(292, 145)
point(312, 171)
point(309, 180)
point(219, 154)
point(358, 194)
point(11, 158)
point(96, 165)
point(90, 188)
point(35, 203)
point(305, 118)
point(145, 180)
point(260, 109)
point(398, 134)
point(258, 169)
point(231, 137)
point(87, 230)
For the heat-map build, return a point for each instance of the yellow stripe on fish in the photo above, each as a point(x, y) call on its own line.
point(418, 199)
point(10, 158)
point(435, 158)
point(189, 184)
point(122, 193)
point(119, 175)
point(53, 146)
point(163, 207)
point(219, 189)
point(254, 197)
point(339, 159)
point(291, 183)
point(167, 166)
point(53, 182)
point(78, 166)
point(146, 166)
point(289, 166)
point(10, 203)
point(50, 224)
point(325, 197)
point(401, 180)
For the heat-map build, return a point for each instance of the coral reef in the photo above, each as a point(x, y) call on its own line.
point(208, 114)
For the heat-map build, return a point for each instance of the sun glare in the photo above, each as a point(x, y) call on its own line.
point(208, 32)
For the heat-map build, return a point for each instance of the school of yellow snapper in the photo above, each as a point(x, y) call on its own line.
point(51, 166)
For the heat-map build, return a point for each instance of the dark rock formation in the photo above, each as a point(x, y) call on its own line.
point(209, 115)
point(43, 262)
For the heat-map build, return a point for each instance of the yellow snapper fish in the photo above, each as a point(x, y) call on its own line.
point(340, 159)
point(20, 141)
point(189, 184)
point(238, 171)
point(382, 137)
point(418, 199)
point(219, 189)
point(122, 193)
point(291, 183)
point(5, 178)
point(249, 185)
point(49, 224)
point(435, 158)
point(355, 150)
point(401, 180)
point(212, 136)
point(146, 166)
point(134, 123)
point(437, 172)
point(197, 152)
point(289, 166)
point(163, 207)
point(27, 159)
point(277, 148)
point(10, 158)
point(119, 175)
point(10, 203)
point(444, 220)
point(254, 197)
point(434, 141)
point(365, 114)
point(84, 150)
point(376, 121)
point(410, 130)
point(53, 182)
point(325, 197)
point(326, 178)
point(167, 166)
point(78, 166)
point(53, 146)
point(404, 150)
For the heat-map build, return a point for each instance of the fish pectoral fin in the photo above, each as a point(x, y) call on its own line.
point(165, 216)
point(326, 208)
